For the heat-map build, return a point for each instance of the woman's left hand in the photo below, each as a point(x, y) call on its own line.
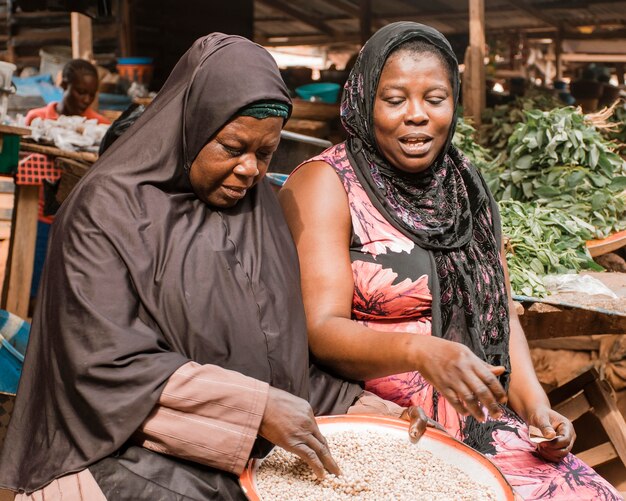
point(552, 424)
point(418, 422)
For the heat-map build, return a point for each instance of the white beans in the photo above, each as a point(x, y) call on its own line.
point(375, 466)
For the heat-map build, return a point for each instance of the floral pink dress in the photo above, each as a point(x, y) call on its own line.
point(391, 293)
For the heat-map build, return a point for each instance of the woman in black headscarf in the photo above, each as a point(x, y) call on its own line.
point(170, 334)
point(404, 282)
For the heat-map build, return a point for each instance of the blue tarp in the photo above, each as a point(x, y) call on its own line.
point(13, 340)
point(38, 85)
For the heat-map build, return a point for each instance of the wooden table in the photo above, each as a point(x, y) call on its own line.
point(20, 261)
point(567, 315)
point(23, 229)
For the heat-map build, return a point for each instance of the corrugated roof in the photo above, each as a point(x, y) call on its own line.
point(294, 22)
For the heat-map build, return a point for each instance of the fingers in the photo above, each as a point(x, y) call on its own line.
point(323, 453)
point(317, 455)
point(497, 370)
point(419, 421)
point(546, 430)
point(552, 452)
point(488, 375)
point(555, 425)
point(309, 456)
point(469, 397)
point(451, 396)
point(466, 398)
point(318, 444)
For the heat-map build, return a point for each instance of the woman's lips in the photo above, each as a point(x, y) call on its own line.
point(415, 146)
point(236, 193)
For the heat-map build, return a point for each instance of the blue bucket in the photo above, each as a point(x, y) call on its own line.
point(327, 92)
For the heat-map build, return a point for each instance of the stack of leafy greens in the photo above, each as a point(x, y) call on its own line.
point(559, 186)
point(499, 122)
point(464, 140)
point(558, 160)
point(618, 134)
point(541, 241)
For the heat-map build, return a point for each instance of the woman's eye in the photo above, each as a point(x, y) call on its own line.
point(435, 100)
point(394, 100)
point(235, 152)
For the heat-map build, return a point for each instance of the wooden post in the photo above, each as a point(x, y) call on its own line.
point(474, 77)
point(82, 36)
point(558, 49)
point(365, 21)
point(127, 38)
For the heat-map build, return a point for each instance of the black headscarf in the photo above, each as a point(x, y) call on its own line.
point(446, 209)
point(142, 277)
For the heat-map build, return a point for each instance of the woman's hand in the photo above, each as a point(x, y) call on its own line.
point(288, 422)
point(418, 422)
point(552, 424)
point(462, 378)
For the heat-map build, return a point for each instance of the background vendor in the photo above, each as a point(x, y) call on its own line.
point(79, 84)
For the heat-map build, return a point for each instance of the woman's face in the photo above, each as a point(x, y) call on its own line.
point(79, 93)
point(413, 110)
point(234, 160)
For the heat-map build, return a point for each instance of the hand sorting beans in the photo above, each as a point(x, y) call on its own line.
point(374, 465)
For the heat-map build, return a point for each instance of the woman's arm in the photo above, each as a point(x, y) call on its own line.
point(527, 397)
point(206, 414)
point(525, 391)
point(213, 416)
point(316, 207)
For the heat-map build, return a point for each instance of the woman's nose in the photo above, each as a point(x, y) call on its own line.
point(416, 112)
point(247, 166)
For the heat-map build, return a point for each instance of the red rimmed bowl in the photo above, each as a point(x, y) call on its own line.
point(440, 444)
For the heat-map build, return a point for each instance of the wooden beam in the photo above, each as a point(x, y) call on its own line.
point(30, 37)
point(600, 396)
point(598, 455)
point(574, 407)
point(288, 40)
point(594, 58)
point(474, 76)
point(535, 12)
point(82, 36)
point(355, 12)
point(298, 15)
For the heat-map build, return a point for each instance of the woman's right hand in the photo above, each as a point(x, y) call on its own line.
point(462, 378)
point(288, 422)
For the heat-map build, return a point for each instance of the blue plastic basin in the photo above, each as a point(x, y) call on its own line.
point(327, 92)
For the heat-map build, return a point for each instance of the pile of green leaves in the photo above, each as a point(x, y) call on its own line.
point(499, 122)
point(543, 241)
point(558, 160)
point(618, 135)
point(465, 140)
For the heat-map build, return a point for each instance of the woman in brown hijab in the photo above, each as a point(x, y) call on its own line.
point(169, 344)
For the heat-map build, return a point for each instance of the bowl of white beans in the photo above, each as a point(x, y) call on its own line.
point(379, 462)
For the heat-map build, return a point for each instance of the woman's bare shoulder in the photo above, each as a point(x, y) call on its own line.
point(314, 197)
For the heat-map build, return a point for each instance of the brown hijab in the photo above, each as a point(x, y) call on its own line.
point(142, 277)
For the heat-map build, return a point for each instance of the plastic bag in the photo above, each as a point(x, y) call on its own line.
point(577, 283)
